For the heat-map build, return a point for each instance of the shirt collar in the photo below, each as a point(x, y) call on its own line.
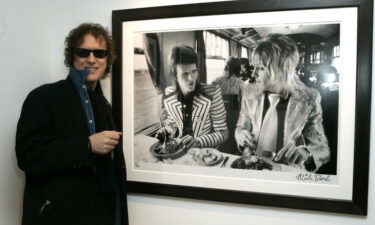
point(78, 77)
point(266, 93)
point(180, 95)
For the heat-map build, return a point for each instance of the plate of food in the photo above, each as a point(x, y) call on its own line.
point(252, 162)
point(206, 156)
point(169, 149)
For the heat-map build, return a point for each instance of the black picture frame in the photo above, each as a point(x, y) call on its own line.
point(358, 204)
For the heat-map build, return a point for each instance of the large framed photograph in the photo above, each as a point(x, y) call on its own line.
point(194, 85)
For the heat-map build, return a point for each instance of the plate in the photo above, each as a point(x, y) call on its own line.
point(251, 163)
point(171, 150)
point(206, 156)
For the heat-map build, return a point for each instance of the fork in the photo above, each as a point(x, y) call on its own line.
point(225, 161)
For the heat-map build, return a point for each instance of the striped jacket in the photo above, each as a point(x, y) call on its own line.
point(208, 116)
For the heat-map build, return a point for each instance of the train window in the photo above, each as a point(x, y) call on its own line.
point(336, 51)
point(216, 47)
point(244, 53)
point(217, 51)
point(145, 118)
point(316, 58)
point(336, 57)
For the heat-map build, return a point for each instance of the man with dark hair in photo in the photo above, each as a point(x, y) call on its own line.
point(246, 71)
point(67, 143)
point(195, 112)
point(281, 117)
point(230, 82)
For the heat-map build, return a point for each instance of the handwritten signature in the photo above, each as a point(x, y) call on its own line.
point(313, 177)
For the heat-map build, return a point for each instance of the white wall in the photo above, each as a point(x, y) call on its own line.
point(31, 53)
point(25, 62)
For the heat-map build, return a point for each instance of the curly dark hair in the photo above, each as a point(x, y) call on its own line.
point(233, 66)
point(75, 39)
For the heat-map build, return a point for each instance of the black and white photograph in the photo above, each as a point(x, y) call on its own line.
point(203, 98)
point(256, 102)
point(244, 105)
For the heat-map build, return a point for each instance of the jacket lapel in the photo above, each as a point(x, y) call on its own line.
point(296, 116)
point(173, 107)
point(201, 109)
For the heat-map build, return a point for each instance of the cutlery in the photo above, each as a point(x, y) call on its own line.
point(225, 161)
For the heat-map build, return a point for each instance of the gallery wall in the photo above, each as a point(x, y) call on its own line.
point(31, 53)
point(25, 62)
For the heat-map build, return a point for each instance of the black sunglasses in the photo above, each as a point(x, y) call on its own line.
point(84, 52)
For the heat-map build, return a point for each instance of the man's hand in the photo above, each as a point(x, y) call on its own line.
point(104, 142)
point(245, 139)
point(162, 134)
point(293, 155)
point(188, 141)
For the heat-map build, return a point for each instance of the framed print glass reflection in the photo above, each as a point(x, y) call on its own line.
point(189, 91)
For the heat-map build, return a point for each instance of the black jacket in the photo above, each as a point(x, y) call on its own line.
point(65, 183)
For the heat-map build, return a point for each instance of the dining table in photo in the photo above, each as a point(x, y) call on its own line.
point(145, 152)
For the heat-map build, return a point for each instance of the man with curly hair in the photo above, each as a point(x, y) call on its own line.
point(67, 143)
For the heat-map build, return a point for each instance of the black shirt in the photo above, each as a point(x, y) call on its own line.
point(187, 110)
